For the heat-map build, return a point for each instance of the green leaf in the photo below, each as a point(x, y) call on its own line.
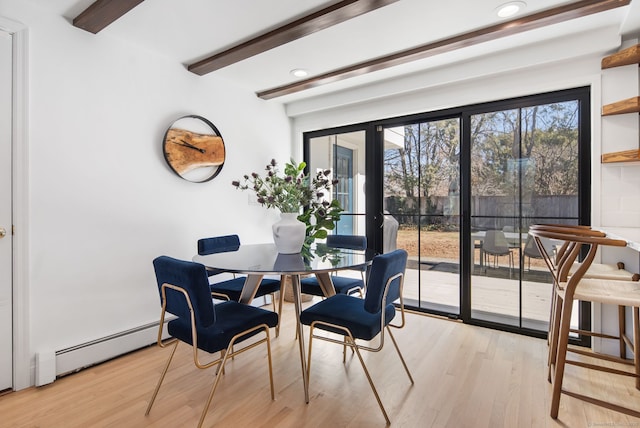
point(327, 224)
point(321, 234)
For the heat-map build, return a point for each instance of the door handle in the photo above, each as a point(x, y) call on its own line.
point(3, 232)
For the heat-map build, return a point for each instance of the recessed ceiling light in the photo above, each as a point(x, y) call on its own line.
point(509, 9)
point(299, 72)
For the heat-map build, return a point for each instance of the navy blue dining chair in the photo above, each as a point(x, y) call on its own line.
point(342, 284)
point(184, 293)
point(363, 319)
point(232, 288)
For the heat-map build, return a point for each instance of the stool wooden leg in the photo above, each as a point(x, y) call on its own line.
point(553, 334)
point(622, 327)
point(636, 344)
point(552, 311)
point(561, 354)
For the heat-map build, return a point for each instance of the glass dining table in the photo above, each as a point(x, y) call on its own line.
point(257, 260)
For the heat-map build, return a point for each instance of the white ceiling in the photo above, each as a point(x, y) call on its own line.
point(189, 30)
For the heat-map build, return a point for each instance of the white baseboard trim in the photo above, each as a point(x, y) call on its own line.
point(75, 358)
point(87, 354)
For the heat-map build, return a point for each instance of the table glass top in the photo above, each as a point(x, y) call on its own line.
point(265, 259)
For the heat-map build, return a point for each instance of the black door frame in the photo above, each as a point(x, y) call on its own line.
point(374, 161)
point(583, 96)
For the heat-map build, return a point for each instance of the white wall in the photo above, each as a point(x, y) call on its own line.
point(103, 202)
point(620, 205)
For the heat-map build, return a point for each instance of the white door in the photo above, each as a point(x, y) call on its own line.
point(6, 341)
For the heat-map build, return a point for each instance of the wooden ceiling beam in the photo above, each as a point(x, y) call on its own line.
point(530, 22)
point(102, 13)
point(332, 15)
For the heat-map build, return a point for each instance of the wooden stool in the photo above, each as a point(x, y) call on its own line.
point(577, 287)
point(595, 271)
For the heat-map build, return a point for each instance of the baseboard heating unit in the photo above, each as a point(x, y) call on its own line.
point(50, 365)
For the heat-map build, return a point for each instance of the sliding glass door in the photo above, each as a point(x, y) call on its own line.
point(421, 200)
point(458, 190)
point(524, 169)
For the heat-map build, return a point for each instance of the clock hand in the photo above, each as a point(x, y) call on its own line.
point(191, 146)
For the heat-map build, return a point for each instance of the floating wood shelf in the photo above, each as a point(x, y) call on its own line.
point(624, 156)
point(624, 57)
point(630, 105)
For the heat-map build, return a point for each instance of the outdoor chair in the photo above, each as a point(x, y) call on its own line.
point(530, 251)
point(495, 244)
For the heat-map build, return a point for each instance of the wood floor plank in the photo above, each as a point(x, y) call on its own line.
point(465, 377)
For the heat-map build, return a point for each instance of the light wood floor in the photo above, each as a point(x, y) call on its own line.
point(465, 377)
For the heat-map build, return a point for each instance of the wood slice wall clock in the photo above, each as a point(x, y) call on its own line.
point(194, 149)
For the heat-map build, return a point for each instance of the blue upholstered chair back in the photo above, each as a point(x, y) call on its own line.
point(191, 277)
point(383, 267)
point(218, 244)
point(350, 242)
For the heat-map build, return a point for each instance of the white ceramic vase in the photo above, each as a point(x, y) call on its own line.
point(289, 233)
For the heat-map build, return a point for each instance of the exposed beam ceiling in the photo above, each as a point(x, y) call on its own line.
point(332, 15)
point(446, 30)
point(102, 13)
point(527, 23)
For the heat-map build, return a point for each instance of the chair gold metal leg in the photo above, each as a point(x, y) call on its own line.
point(373, 388)
point(273, 303)
point(295, 284)
point(229, 352)
point(215, 383)
point(393, 339)
point(308, 373)
point(273, 395)
point(164, 372)
point(344, 351)
point(280, 303)
point(222, 354)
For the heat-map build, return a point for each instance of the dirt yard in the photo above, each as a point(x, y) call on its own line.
point(441, 245)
